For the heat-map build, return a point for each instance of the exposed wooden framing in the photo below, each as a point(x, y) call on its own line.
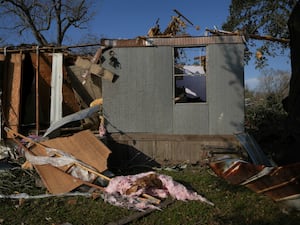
point(37, 91)
point(14, 82)
point(16, 49)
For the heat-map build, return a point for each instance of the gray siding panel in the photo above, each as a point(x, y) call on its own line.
point(225, 88)
point(191, 118)
point(141, 99)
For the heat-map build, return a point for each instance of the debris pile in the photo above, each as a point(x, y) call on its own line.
point(260, 174)
point(79, 161)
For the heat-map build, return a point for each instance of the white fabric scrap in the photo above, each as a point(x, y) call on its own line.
point(27, 196)
point(54, 161)
point(4, 152)
point(63, 159)
point(56, 87)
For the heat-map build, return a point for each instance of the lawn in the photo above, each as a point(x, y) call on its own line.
point(233, 204)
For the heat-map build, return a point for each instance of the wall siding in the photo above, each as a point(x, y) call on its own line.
point(225, 88)
point(141, 100)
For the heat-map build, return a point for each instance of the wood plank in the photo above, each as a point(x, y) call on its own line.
point(14, 81)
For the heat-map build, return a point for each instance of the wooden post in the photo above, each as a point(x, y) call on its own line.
point(37, 62)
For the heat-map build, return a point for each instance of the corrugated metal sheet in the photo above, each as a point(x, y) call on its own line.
point(175, 41)
point(279, 183)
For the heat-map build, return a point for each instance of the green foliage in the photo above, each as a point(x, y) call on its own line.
point(264, 18)
point(265, 119)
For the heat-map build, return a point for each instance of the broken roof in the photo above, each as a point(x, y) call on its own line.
point(172, 41)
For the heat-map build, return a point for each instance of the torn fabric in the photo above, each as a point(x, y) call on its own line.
point(54, 161)
point(63, 160)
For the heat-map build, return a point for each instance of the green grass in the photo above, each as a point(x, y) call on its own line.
point(233, 205)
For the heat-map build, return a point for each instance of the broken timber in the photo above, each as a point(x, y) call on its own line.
point(253, 36)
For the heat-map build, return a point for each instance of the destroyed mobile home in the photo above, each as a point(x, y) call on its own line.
point(58, 111)
point(70, 116)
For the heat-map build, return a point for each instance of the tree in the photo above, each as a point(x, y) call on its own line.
point(265, 117)
point(43, 17)
point(261, 18)
point(280, 19)
point(274, 82)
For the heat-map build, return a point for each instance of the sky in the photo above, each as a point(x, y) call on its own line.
point(132, 18)
point(123, 19)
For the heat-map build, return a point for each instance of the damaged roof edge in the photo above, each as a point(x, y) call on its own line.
point(172, 41)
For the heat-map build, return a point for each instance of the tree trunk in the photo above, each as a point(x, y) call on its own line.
point(292, 147)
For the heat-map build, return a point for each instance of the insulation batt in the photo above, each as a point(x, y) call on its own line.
point(154, 184)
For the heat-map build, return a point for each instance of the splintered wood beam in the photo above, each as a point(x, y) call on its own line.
point(180, 14)
point(252, 36)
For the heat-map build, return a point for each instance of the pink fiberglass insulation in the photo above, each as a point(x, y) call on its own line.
point(144, 183)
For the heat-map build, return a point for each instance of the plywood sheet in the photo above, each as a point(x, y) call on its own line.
point(56, 180)
point(83, 146)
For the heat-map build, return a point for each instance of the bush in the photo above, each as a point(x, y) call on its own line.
point(265, 120)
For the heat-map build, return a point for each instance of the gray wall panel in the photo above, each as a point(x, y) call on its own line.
point(191, 118)
point(225, 88)
point(141, 99)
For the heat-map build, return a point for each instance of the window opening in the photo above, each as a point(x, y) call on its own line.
point(190, 74)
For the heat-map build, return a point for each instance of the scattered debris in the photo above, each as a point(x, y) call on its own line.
point(67, 163)
point(71, 118)
point(4, 151)
point(27, 196)
point(90, 157)
point(176, 26)
point(280, 183)
point(255, 153)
